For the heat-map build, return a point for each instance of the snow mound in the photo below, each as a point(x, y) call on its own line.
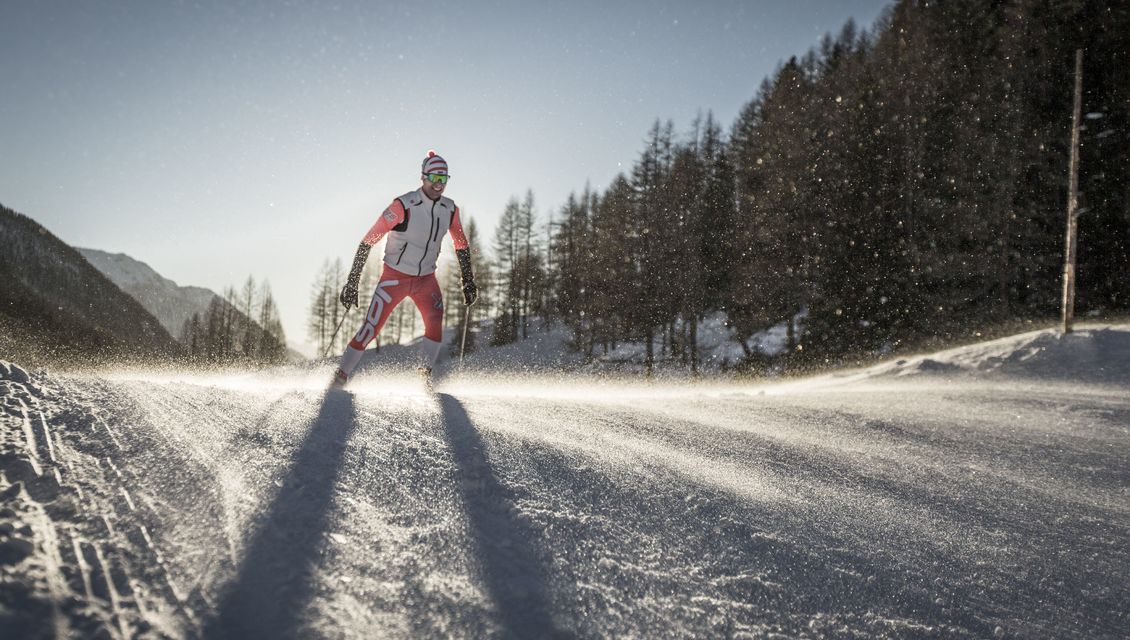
point(1099, 355)
point(929, 365)
point(1093, 354)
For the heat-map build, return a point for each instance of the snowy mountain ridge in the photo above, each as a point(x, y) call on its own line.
point(169, 302)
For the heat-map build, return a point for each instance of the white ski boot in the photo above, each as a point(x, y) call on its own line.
point(340, 378)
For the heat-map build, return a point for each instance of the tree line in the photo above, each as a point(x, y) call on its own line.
point(897, 184)
point(241, 327)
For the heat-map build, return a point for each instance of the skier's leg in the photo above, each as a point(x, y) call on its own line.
point(429, 300)
point(391, 289)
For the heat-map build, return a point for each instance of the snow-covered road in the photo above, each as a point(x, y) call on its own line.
point(261, 506)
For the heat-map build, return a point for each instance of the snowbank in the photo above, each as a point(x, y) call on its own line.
point(1097, 355)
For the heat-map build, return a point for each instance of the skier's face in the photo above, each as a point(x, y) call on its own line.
point(434, 190)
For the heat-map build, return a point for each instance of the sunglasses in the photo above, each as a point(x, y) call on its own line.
point(435, 177)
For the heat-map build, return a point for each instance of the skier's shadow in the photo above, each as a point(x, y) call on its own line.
point(275, 580)
point(504, 547)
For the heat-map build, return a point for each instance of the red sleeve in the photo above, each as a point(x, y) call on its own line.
point(456, 231)
point(391, 217)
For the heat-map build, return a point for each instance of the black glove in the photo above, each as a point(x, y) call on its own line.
point(470, 291)
point(348, 295)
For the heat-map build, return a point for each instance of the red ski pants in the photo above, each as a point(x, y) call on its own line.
point(393, 287)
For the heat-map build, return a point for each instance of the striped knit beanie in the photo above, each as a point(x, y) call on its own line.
point(434, 164)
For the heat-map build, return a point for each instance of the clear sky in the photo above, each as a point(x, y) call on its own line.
point(217, 140)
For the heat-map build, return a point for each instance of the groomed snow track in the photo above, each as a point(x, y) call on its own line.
point(259, 505)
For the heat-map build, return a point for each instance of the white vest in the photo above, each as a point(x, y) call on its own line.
point(412, 246)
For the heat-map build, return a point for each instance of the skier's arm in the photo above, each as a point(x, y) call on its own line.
point(463, 253)
point(458, 238)
point(391, 217)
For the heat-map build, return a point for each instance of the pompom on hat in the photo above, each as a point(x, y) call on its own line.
point(434, 163)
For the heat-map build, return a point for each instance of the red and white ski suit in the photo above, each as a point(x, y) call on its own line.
point(415, 226)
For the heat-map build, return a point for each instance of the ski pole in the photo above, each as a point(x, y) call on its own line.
point(463, 345)
point(334, 336)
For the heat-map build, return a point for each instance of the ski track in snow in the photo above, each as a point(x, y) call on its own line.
point(169, 505)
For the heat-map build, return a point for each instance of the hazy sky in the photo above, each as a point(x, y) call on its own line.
point(219, 140)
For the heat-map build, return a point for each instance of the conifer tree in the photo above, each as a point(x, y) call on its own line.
point(507, 252)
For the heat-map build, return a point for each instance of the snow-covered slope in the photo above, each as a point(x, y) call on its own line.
point(170, 303)
point(984, 498)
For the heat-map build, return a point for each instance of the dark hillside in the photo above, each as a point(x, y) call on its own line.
point(55, 308)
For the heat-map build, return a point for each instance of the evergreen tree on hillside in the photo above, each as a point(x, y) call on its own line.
point(718, 220)
point(572, 250)
point(507, 252)
point(649, 246)
point(769, 283)
point(529, 269)
point(685, 261)
point(613, 273)
point(272, 339)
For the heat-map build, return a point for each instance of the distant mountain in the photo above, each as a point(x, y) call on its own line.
point(56, 308)
point(172, 304)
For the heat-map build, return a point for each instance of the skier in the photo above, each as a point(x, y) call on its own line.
point(414, 223)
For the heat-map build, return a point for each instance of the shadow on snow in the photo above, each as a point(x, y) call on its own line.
point(503, 546)
point(275, 582)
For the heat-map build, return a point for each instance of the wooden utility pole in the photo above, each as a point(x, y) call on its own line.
point(1072, 201)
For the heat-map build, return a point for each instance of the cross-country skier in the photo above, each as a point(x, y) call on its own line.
point(415, 223)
